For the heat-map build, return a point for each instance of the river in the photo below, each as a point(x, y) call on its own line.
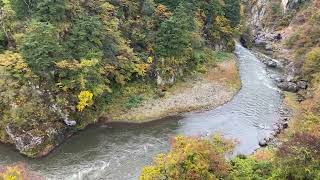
point(120, 151)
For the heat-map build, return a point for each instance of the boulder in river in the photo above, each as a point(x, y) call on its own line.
point(271, 63)
point(263, 143)
point(279, 79)
point(288, 86)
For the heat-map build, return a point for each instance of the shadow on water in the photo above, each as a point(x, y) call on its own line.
point(120, 150)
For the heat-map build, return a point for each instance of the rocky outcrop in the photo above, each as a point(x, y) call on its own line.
point(261, 25)
point(35, 145)
point(23, 142)
point(291, 4)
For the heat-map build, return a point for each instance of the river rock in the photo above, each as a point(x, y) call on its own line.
point(245, 40)
point(302, 84)
point(259, 42)
point(285, 125)
point(70, 122)
point(263, 143)
point(271, 63)
point(268, 47)
point(288, 86)
point(279, 79)
point(273, 133)
point(285, 119)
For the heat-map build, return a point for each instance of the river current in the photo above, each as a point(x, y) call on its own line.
point(120, 151)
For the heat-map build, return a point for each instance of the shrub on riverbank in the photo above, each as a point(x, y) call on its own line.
point(196, 159)
point(191, 158)
point(17, 172)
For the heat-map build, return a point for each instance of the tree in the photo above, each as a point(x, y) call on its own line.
point(86, 38)
point(191, 158)
point(170, 4)
point(174, 37)
point(23, 8)
point(43, 10)
point(40, 47)
point(50, 10)
point(232, 11)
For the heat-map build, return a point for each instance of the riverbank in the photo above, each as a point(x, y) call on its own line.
point(197, 92)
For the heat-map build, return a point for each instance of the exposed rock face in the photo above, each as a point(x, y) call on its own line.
point(257, 19)
point(25, 141)
point(257, 13)
point(36, 145)
point(43, 137)
point(290, 4)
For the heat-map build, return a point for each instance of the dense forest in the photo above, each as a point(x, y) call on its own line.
point(63, 61)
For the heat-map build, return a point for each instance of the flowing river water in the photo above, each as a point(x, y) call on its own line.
point(120, 151)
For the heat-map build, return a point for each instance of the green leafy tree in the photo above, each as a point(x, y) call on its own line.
point(86, 38)
point(232, 11)
point(40, 47)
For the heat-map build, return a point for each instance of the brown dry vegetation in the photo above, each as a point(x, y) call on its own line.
point(302, 34)
point(225, 73)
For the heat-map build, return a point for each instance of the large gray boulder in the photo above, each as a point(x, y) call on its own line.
point(288, 86)
point(302, 84)
point(271, 63)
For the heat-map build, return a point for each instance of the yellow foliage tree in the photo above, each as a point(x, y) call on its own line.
point(85, 100)
point(11, 173)
point(191, 158)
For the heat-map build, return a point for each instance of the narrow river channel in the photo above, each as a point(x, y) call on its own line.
point(120, 151)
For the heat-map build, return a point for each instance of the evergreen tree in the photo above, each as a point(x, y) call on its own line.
point(40, 46)
point(86, 38)
point(174, 36)
point(232, 11)
point(23, 8)
point(50, 10)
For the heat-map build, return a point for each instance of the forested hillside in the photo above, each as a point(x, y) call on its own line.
point(290, 32)
point(63, 61)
